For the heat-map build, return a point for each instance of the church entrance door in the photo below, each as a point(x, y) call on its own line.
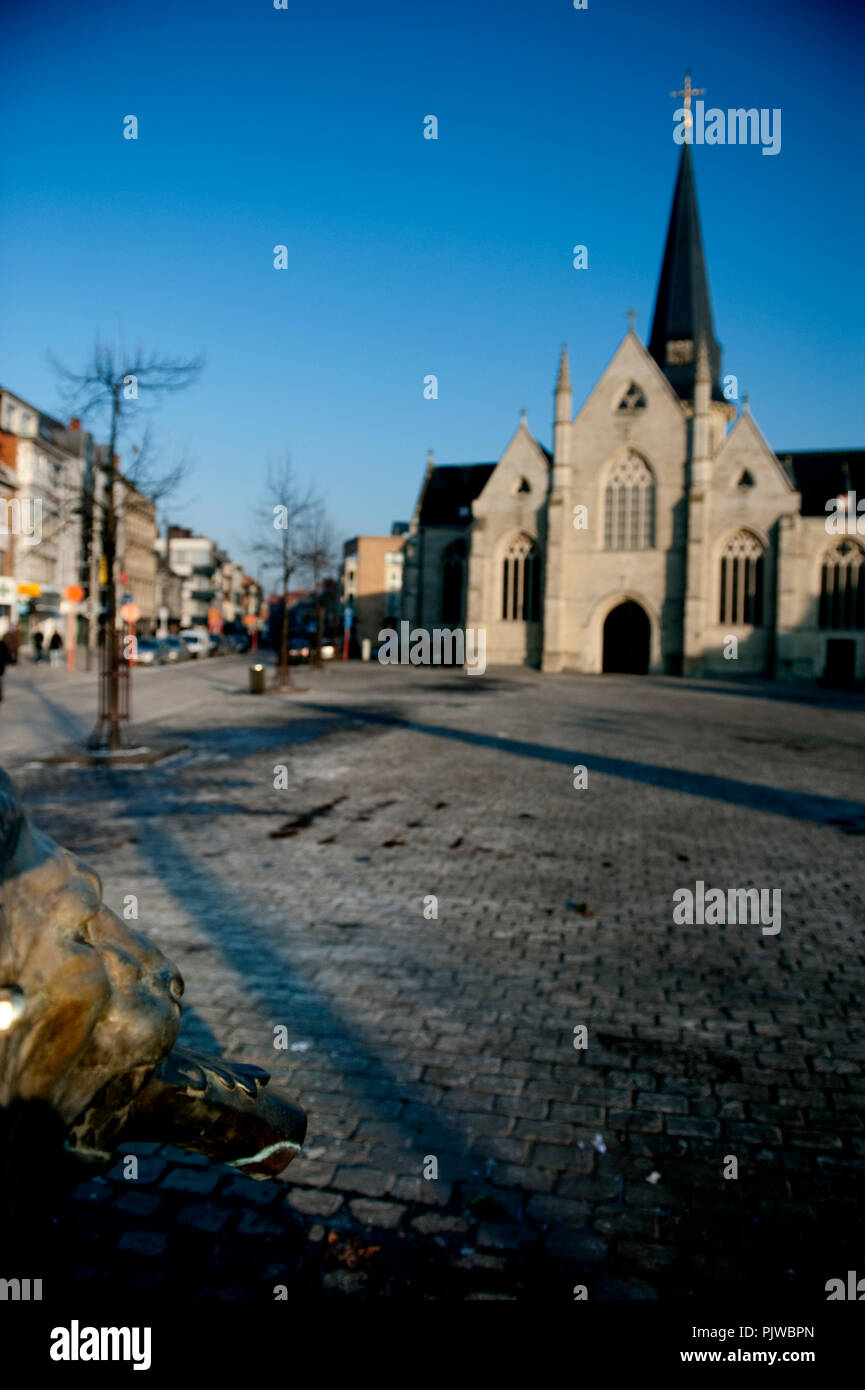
point(627, 634)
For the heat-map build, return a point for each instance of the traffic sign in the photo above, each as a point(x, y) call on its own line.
point(130, 613)
point(74, 593)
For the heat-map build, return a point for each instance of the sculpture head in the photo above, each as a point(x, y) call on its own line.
point(87, 1006)
point(89, 1014)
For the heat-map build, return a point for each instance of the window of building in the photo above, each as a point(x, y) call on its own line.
point(521, 581)
point(632, 399)
point(629, 513)
point(453, 583)
point(842, 587)
point(742, 581)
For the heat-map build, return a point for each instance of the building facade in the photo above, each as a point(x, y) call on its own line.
point(661, 534)
point(41, 487)
point(136, 548)
point(371, 581)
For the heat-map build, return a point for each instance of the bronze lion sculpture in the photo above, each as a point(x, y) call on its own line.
point(89, 1018)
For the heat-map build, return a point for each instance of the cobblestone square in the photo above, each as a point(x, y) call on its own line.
point(431, 908)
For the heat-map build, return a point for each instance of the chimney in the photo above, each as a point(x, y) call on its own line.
point(75, 423)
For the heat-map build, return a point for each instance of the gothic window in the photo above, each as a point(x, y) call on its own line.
point(629, 512)
point(521, 581)
point(842, 587)
point(453, 581)
point(746, 479)
point(523, 486)
point(633, 399)
point(742, 581)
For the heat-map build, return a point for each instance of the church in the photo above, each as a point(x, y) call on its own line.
point(661, 535)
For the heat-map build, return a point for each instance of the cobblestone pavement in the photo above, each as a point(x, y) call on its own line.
point(452, 1038)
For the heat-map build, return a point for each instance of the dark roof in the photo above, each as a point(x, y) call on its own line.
point(450, 488)
point(821, 474)
point(683, 309)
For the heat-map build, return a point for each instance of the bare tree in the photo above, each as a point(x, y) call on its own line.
point(281, 521)
point(318, 555)
point(109, 386)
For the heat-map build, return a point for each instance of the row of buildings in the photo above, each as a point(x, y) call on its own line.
point(52, 569)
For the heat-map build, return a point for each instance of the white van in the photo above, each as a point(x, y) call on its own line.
point(196, 640)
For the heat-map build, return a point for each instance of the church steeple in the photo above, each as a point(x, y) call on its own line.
point(683, 310)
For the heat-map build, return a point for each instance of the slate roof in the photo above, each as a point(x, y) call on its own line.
point(449, 488)
point(683, 309)
point(821, 474)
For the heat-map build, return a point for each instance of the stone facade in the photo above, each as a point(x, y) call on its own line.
point(662, 535)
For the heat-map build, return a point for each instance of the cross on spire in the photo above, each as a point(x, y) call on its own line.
point(687, 92)
point(632, 314)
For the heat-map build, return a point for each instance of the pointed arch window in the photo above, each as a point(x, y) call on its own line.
point(742, 577)
point(842, 587)
point(629, 506)
point(453, 583)
point(521, 581)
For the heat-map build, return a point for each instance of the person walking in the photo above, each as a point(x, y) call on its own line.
point(5, 657)
point(55, 649)
point(38, 644)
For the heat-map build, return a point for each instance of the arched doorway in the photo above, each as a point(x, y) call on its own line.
point(627, 635)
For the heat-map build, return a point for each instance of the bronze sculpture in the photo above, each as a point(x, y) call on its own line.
point(89, 1018)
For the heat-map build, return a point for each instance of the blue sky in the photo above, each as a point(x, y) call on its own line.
point(407, 256)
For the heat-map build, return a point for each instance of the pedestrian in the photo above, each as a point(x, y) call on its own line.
point(55, 649)
point(38, 644)
point(13, 642)
point(5, 658)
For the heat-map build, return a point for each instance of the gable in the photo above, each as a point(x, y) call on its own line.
point(521, 474)
point(657, 429)
point(631, 365)
point(745, 464)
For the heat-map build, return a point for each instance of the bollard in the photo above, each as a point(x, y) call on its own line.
point(256, 680)
point(366, 648)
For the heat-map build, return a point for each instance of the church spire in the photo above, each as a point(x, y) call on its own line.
point(683, 310)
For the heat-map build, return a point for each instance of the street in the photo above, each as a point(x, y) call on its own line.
point(432, 909)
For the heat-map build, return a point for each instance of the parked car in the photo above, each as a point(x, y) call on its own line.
point(175, 650)
point(149, 651)
point(196, 640)
point(237, 641)
point(298, 649)
point(218, 645)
